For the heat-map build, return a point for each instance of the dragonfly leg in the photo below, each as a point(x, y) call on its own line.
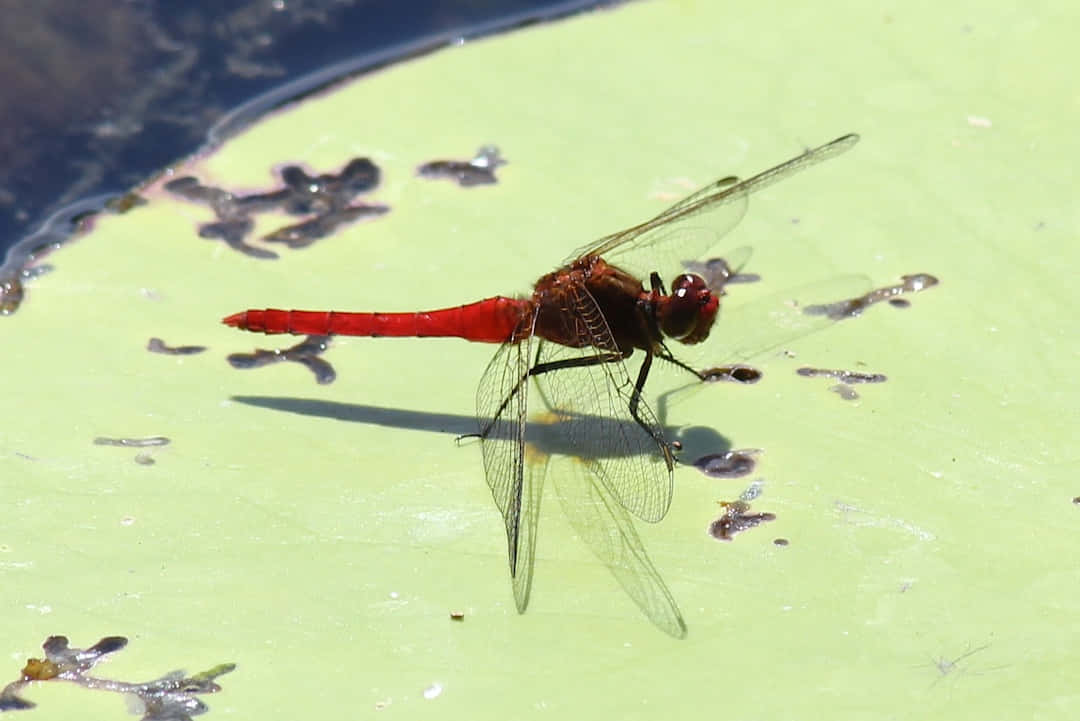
point(657, 283)
point(540, 369)
point(666, 355)
point(635, 396)
point(592, 360)
point(635, 401)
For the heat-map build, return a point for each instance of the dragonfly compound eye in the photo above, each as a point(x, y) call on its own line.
point(688, 313)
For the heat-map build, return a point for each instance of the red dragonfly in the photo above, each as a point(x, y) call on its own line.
point(572, 336)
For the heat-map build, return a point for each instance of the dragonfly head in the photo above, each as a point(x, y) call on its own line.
point(687, 314)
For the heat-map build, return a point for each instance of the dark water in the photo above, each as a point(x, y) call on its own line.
point(98, 95)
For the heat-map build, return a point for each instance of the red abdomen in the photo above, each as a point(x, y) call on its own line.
point(487, 321)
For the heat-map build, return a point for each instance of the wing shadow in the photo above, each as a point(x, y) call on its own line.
point(595, 514)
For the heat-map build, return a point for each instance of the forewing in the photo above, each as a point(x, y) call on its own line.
point(724, 200)
point(692, 226)
point(754, 331)
point(751, 331)
point(666, 249)
point(630, 458)
point(606, 528)
point(501, 407)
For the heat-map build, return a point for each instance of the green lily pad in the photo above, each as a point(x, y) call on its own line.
point(322, 536)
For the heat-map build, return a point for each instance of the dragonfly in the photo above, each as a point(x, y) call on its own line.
point(572, 337)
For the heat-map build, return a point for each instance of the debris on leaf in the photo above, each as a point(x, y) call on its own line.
point(173, 697)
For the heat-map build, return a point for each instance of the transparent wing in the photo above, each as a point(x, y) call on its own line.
point(716, 208)
point(627, 455)
point(721, 270)
point(752, 331)
point(666, 249)
point(725, 200)
point(760, 330)
point(606, 528)
point(532, 489)
point(501, 407)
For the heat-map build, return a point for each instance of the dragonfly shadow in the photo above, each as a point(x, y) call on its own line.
point(539, 435)
point(572, 461)
point(448, 423)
